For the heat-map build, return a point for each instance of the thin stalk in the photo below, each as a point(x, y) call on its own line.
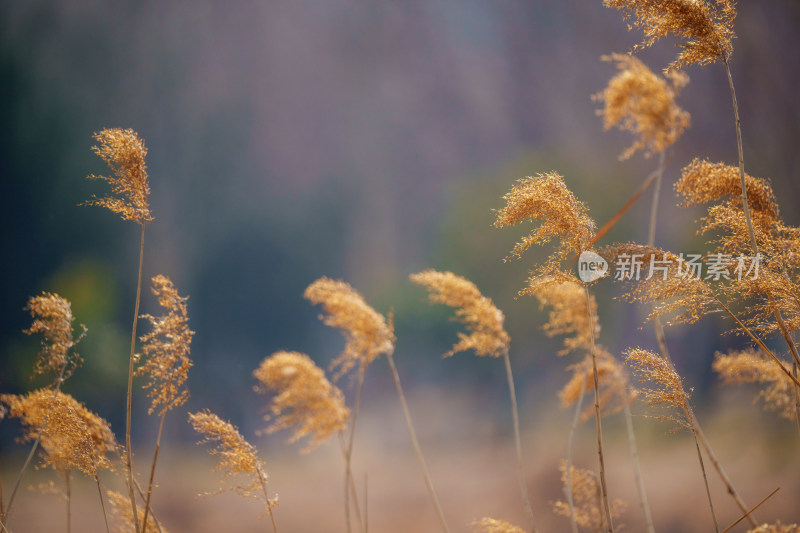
point(349, 451)
point(637, 472)
point(67, 476)
point(353, 490)
point(651, 233)
point(598, 425)
point(705, 480)
point(153, 471)
point(262, 478)
point(796, 396)
point(415, 444)
point(102, 504)
point(572, 430)
point(3, 526)
point(366, 506)
point(759, 504)
point(128, 452)
point(518, 441)
point(152, 514)
point(36, 442)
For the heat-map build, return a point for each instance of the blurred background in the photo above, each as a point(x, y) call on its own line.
point(366, 141)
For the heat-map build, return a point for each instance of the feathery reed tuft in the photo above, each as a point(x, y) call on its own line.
point(367, 333)
point(166, 349)
point(73, 437)
point(483, 320)
point(638, 100)
point(585, 489)
point(615, 390)
point(304, 400)
point(121, 510)
point(568, 311)
point(53, 319)
point(750, 366)
point(777, 527)
point(124, 153)
point(491, 525)
point(546, 197)
point(237, 457)
point(705, 25)
point(665, 385)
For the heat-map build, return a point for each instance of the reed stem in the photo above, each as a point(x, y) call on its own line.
point(152, 472)
point(568, 488)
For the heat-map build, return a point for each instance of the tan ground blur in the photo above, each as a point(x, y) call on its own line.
point(472, 462)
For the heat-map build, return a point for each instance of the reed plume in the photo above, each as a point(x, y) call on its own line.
point(568, 313)
point(616, 392)
point(585, 491)
point(121, 510)
point(487, 337)
point(304, 398)
point(492, 525)
point(124, 152)
point(642, 102)
point(705, 27)
point(777, 527)
point(750, 366)
point(238, 459)
point(166, 349)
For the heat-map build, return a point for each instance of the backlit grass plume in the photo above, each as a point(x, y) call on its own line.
point(777, 527)
point(585, 490)
point(166, 348)
point(121, 510)
point(367, 333)
point(491, 525)
point(304, 398)
point(568, 312)
point(478, 313)
point(124, 152)
point(615, 390)
point(73, 437)
point(777, 390)
point(642, 102)
point(546, 198)
point(664, 386)
point(238, 458)
point(53, 318)
point(705, 26)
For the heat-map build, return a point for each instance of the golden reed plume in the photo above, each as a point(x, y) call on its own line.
point(641, 102)
point(569, 314)
point(53, 319)
point(121, 510)
point(304, 398)
point(585, 495)
point(706, 27)
point(750, 366)
point(483, 320)
point(491, 525)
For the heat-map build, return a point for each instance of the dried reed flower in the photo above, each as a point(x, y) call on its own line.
point(53, 319)
point(367, 333)
point(777, 527)
point(72, 437)
point(664, 279)
point(124, 153)
point(484, 321)
point(568, 311)
point(750, 366)
point(305, 399)
point(642, 102)
point(166, 349)
point(585, 489)
point(615, 390)
point(705, 26)
point(665, 385)
point(237, 457)
point(121, 510)
point(546, 197)
point(491, 525)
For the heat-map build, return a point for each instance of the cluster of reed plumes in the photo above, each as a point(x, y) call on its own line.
point(749, 238)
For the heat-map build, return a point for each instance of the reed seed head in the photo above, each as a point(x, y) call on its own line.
point(166, 349)
point(123, 514)
point(304, 398)
point(706, 26)
point(72, 435)
point(237, 457)
point(665, 387)
point(777, 527)
point(585, 489)
point(569, 312)
point(484, 321)
point(124, 152)
point(616, 392)
point(491, 525)
point(642, 102)
point(367, 333)
point(749, 366)
point(546, 197)
point(53, 319)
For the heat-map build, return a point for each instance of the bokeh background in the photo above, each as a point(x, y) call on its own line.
point(365, 141)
